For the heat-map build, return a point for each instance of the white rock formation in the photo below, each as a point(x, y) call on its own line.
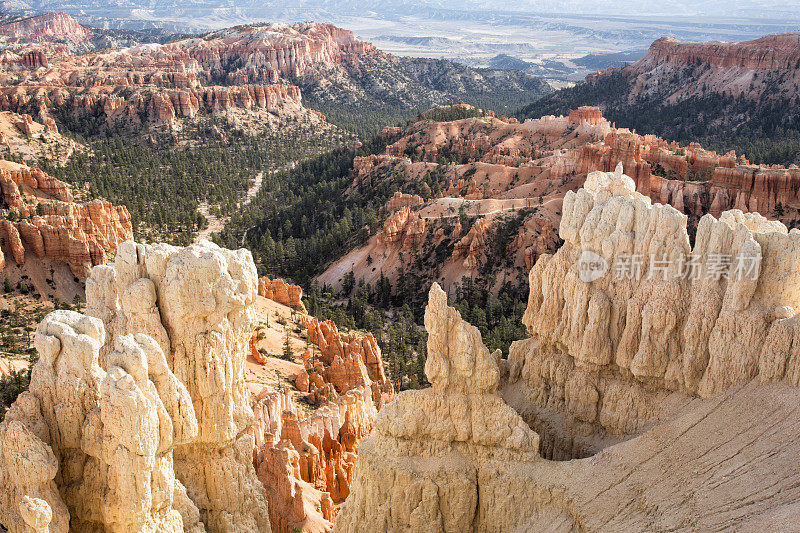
point(89, 449)
point(138, 418)
point(607, 353)
point(698, 376)
point(433, 461)
point(196, 302)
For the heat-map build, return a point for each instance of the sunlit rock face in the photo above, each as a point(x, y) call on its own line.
point(196, 302)
point(138, 418)
point(88, 448)
point(50, 225)
point(656, 376)
point(433, 460)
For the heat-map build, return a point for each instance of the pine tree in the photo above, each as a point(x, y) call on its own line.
point(287, 347)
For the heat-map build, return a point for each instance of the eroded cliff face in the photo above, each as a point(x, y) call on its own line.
point(744, 69)
point(45, 28)
point(91, 448)
point(138, 417)
point(196, 302)
point(282, 292)
point(696, 373)
point(250, 70)
point(40, 218)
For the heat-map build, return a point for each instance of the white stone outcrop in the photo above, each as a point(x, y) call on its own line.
point(433, 461)
point(693, 321)
point(697, 374)
point(196, 302)
point(92, 449)
point(138, 418)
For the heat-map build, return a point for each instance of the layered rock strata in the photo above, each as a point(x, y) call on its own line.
point(241, 71)
point(505, 169)
point(48, 224)
point(761, 69)
point(44, 28)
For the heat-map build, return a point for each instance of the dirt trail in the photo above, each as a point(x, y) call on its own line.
point(215, 224)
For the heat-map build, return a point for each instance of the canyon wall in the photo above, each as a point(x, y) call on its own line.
point(41, 218)
point(45, 28)
point(264, 53)
point(773, 52)
point(502, 169)
point(233, 69)
point(763, 72)
point(116, 104)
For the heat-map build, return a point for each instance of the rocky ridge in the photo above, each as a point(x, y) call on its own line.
point(736, 69)
point(282, 292)
point(162, 84)
point(716, 93)
point(500, 166)
point(58, 27)
point(329, 64)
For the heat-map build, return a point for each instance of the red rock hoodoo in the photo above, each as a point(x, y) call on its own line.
point(307, 463)
point(282, 292)
point(41, 218)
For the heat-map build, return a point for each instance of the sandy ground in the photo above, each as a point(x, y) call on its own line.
point(276, 372)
